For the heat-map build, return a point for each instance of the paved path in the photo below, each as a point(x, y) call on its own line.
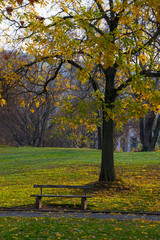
point(97, 215)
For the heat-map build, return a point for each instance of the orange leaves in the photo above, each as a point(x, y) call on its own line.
point(9, 10)
point(31, 1)
point(41, 19)
point(5, 55)
point(19, 2)
point(22, 23)
point(142, 58)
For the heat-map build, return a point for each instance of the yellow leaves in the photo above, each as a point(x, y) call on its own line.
point(32, 110)
point(2, 102)
point(155, 4)
point(75, 39)
point(57, 104)
point(37, 104)
point(23, 104)
point(142, 58)
point(77, 116)
point(126, 20)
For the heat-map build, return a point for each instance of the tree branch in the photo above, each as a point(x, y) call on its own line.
point(91, 80)
point(145, 73)
point(54, 75)
point(103, 12)
point(153, 38)
point(97, 29)
point(148, 73)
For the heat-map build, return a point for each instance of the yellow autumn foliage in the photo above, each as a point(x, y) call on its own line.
point(96, 41)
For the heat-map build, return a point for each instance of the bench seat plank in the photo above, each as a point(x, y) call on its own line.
point(62, 186)
point(67, 196)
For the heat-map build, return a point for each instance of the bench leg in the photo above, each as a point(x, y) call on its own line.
point(84, 203)
point(38, 202)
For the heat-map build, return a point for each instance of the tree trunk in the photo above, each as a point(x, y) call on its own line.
point(107, 173)
point(107, 165)
point(149, 133)
point(99, 138)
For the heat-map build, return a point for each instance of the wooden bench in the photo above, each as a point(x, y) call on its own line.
point(82, 196)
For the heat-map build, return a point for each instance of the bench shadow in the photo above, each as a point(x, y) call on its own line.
point(46, 207)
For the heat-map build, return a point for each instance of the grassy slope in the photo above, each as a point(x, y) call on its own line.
point(136, 189)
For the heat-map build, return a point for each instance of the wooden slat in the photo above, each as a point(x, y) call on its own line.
point(62, 186)
point(69, 196)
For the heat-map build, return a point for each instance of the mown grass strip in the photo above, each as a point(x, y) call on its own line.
point(64, 228)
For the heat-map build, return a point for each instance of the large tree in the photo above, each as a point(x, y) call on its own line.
point(105, 41)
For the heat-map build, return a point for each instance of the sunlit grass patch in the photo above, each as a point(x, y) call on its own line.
point(136, 188)
point(73, 228)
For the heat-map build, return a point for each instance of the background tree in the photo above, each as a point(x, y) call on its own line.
point(26, 127)
point(102, 40)
point(149, 131)
point(28, 118)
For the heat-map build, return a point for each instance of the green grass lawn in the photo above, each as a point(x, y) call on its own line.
point(66, 228)
point(137, 188)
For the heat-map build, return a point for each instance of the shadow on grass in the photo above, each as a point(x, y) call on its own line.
point(45, 207)
point(117, 185)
